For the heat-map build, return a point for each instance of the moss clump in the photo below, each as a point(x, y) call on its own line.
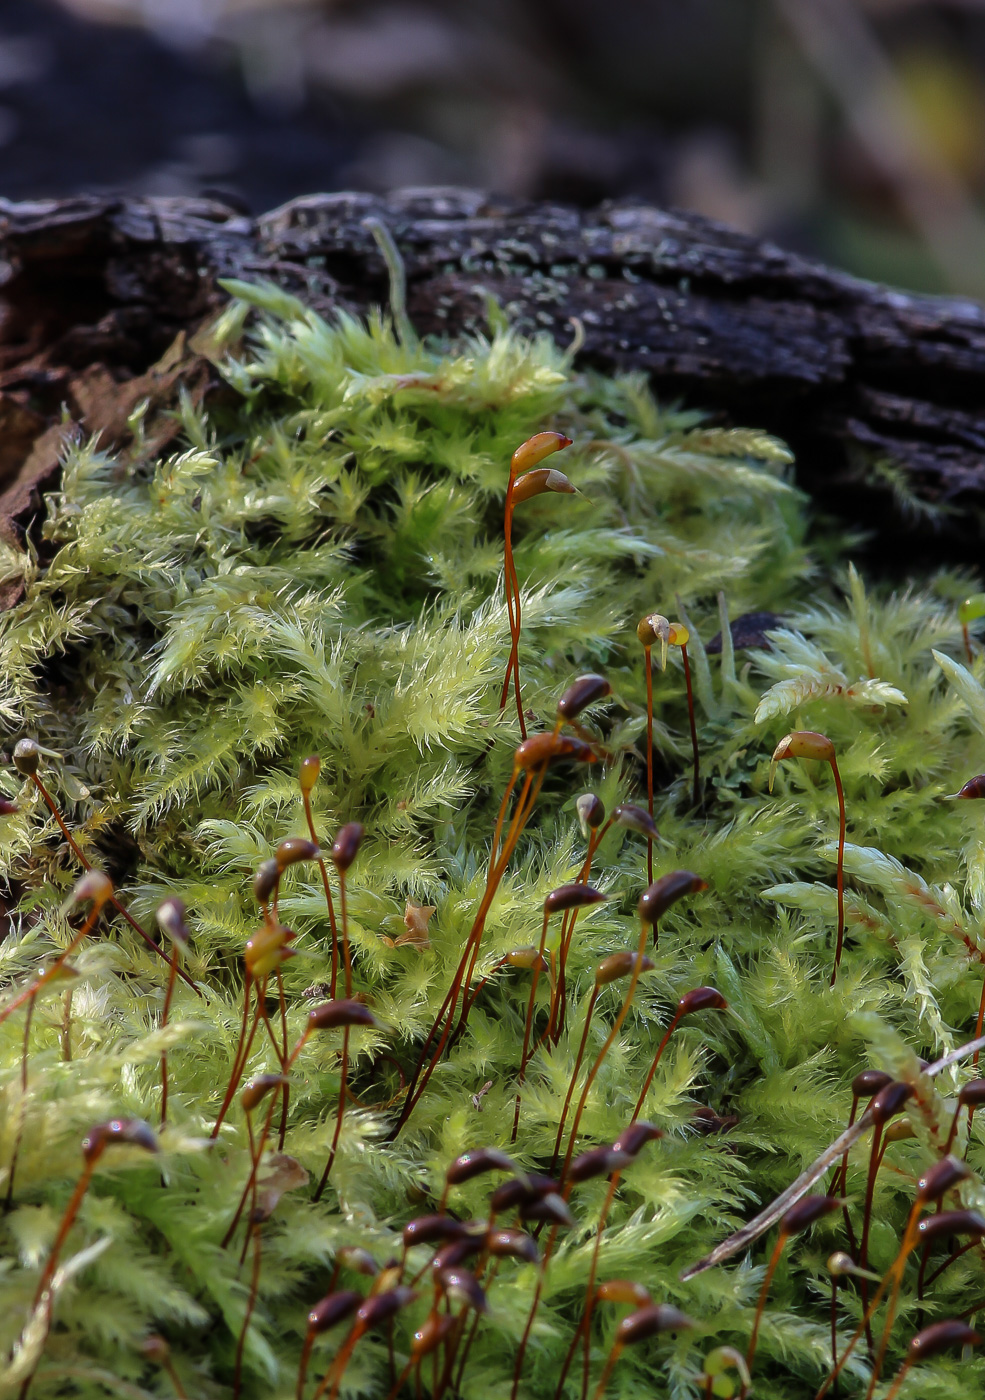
point(320, 571)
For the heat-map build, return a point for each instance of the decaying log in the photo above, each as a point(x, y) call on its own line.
point(880, 393)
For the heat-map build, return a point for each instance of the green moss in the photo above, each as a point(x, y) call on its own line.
point(320, 571)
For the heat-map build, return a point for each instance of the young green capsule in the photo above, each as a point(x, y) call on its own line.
point(529, 959)
point(535, 449)
point(623, 1290)
point(308, 772)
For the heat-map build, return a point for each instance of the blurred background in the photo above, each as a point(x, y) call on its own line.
point(853, 130)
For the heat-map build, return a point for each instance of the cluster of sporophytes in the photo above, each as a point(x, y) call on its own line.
point(355, 1064)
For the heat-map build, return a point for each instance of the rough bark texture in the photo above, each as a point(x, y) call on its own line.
point(878, 392)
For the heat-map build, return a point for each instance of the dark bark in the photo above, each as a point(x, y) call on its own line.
point(878, 392)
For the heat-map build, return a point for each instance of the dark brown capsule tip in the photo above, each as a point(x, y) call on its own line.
point(132, 1132)
point(972, 1093)
point(591, 810)
point(512, 1244)
point(477, 1161)
point(632, 1139)
point(939, 1178)
point(572, 897)
point(330, 1015)
point(974, 787)
point(890, 1100)
point(541, 749)
point(648, 1322)
point(346, 845)
point(869, 1082)
point(265, 880)
point(294, 849)
point(521, 1191)
point(635, 819)
point(259, 1088)
point(384, 1305)
point(582, 693)
point(655, 901)
point(455, 1252)
point(701, 999)
point(333, 1309)
point(952, 1222)
point(552, 1209)
point(429, 1229)
point(806, 1211)
point(597, 1161)
point(7, 808)
point(941, 1336)
point(463, 1285)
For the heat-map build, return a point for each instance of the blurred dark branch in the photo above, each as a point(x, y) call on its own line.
point(879, 392)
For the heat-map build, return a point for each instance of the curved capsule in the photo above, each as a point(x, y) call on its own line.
point(634, 818)
point(382, 1306)
point(333, 1309)
point(552, 1208)
point(293, 849)
point(652, 629)
point(585, 691)
point(618, 965)
point(431, 1334)
point(941, 1336)
point(941, 1177)
point(572, 897)
point(521, 1191)
point(430, 1229)
point(649, 1321)
point(869, 1082)
point(597, 1161)
point(972, 1093)
point(701, 999)
point(512, 1244)
point(94, 885)
point(265, 880)
point(541, 749)
point(537, 482)
point(535, 449)
point(529, 959)
point(267, 949)
point(462, 1285)
point(344, 1011)
point(632, 1139)
point(258, 1089)
point(346, 845)
point(802, 743)
point(952, 1222)
point(807, 1211)
point(591, 811)
point(477, 1161)
point(130, 1132)
point(455, 1252)
point(890, 1100)
point(973, 788)
point(658, 898)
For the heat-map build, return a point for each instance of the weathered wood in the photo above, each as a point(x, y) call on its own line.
point(879, 392)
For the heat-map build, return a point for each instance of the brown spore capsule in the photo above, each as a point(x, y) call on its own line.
point(429, 1229)
point(941, 1336)
point(334, 1308)
point(512, 1244)
point(650, 1321)
point(591, 811)
point(264, 881)
point(258, 1089)
point(618, 965)
point(658, 897)
point(536, 448)
point(632, 1139)
point(529, 959)
point(952, 1222)
point(359, 1260)
point(597, 1161)
point(972, 1093)
point(701, 999)
point(634, 818)
point(346, 845)
point(463, 1285)
point(552, 1209)
point(623, 1290)
point(333, 1015)
point(455, 1252)
point(585, 691)
point(973, 788)
point(432, 1334)
point(8, 808)
point(521, 1191)
point(940, 1178)
point(27, 756)
point(131, 1132)
point(294, 849)
point(572, 897)
point(541, 749)
point(807, 1211)
point(890, 1100)
point(869, 1082)
point(171, 919)
point(476, 1162)
point(383, 1306)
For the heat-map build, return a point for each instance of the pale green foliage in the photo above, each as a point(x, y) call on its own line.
point(319, 570)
